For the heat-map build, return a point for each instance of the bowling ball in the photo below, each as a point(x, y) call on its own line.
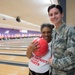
point(43, 49)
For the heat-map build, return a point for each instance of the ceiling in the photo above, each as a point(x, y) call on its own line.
point(31, 12)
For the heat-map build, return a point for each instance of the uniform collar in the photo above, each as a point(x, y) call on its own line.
point(61, 28)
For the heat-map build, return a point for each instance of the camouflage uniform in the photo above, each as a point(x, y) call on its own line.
point(63, 47)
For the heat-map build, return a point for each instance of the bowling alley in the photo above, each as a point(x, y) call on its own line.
point(25, 35)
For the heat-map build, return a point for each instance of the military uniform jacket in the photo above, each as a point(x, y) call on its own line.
point(63, 48)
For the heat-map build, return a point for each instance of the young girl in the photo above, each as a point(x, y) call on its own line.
point(43, 68)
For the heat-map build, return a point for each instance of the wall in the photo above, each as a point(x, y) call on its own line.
point(8, 33)
point(70, 12)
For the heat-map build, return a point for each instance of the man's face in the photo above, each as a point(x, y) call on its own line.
point(55, 16)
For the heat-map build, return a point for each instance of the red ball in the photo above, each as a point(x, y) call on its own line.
point(43, 47)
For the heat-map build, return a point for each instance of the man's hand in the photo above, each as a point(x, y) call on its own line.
point(50, 60)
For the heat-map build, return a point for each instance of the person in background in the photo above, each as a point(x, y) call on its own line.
point(63, 43)
point(44, 67)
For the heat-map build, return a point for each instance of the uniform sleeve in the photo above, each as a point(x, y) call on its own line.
point(68, 61)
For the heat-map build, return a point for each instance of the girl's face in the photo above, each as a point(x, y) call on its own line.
point(55, 16)
point(46, 34)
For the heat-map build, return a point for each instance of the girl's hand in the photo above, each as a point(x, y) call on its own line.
point(34, 46)
point(31, 48)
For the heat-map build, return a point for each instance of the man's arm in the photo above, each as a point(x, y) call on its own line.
point(69, 56)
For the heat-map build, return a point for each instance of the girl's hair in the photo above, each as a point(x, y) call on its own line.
point(47, 25)
point(55, 6)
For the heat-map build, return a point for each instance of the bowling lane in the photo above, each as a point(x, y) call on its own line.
point(14, 58)
point(13, 70)
point(13, 52)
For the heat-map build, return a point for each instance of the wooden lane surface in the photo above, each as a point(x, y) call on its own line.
point(14, 55)
point(16, 42)
point(23, 52)
point(13, 60)
point(13, 70)
point(9, 69)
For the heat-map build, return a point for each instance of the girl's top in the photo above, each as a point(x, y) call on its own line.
point(40, 64)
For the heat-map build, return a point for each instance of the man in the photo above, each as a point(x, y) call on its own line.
point(63, 43)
